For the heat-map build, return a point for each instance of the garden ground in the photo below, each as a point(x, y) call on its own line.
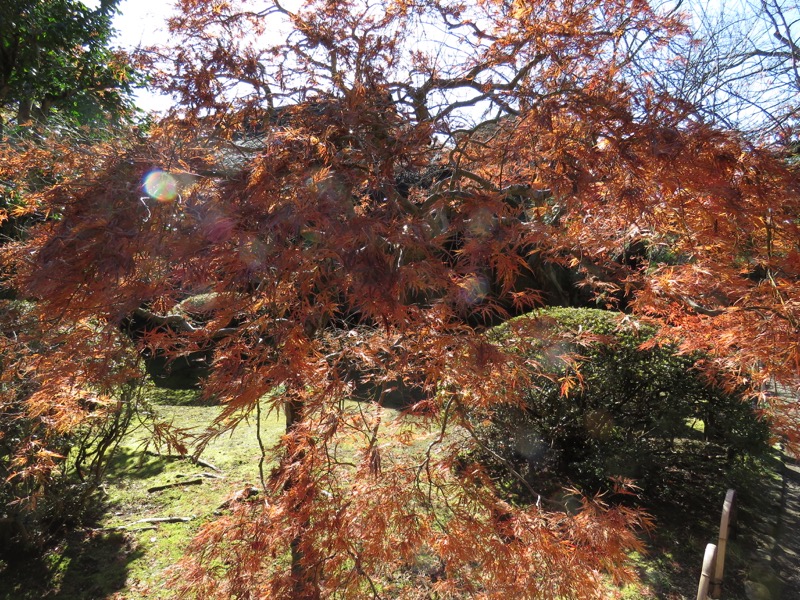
point(127, 556)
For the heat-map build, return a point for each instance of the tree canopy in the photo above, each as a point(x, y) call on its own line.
point(55, 56)
point(362, 188)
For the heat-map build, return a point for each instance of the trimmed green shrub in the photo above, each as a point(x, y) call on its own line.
point(606, 404)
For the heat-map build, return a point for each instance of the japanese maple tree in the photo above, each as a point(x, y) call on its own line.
point(360, 189)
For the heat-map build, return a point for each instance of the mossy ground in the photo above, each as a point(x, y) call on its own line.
point(236, 455)
point(101, 562)
point(132, 563)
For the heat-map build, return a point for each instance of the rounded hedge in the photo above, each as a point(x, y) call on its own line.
point(631, 410)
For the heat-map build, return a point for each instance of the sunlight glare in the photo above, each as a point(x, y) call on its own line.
point(160, 185)
point(474, 289)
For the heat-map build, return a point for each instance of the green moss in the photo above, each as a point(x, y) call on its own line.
point(87, 565)
point(200, 304)
point(175, 397)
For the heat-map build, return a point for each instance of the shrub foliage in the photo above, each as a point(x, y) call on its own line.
point(608, 402)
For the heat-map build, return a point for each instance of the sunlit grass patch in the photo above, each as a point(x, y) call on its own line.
point(138, 468)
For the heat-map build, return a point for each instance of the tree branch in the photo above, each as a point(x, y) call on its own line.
point(180, 323)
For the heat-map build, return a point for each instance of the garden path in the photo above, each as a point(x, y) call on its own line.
point(775, 570)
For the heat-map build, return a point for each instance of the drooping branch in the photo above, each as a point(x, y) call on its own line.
point(180, 323)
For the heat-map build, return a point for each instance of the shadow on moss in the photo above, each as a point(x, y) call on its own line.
point(87, 565)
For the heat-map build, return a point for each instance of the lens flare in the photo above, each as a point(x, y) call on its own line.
point(474, 289)
point(160, 185)
point(482, 223)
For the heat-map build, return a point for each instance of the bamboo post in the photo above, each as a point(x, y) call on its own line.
point(724, 529)
point(709, 560)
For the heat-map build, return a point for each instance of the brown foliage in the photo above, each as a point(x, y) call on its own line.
point(286, 159)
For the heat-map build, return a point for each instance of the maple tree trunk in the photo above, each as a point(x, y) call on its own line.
point(306, 586)
point(306, 581)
